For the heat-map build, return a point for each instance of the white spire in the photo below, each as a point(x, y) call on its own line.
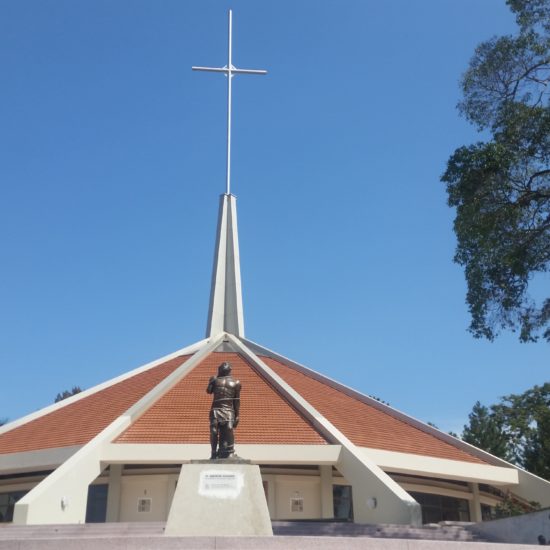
point(226, 301)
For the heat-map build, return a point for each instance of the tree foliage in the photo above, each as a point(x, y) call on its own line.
point(501, 187)
point(510, 506)
point(485, 430)
point(526, 418)
point(67, 393)
point(516, 429)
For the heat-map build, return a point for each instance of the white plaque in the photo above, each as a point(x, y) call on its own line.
point(220, 484)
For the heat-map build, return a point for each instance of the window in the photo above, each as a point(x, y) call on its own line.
point(144, 505)
point(436, 508)
point(487, 512)
point(296, 504)
point(343, 504)
point(7, 502)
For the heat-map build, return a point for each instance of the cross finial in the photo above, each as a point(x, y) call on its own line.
point(229, 70)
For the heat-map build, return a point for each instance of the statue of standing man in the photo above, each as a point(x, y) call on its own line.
point(224, 413)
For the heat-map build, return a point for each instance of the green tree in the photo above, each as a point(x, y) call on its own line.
point(501, 187)
point(510, 506)
point(486, 431)
point(67, 393)
point(526, 418)
point(516, 429)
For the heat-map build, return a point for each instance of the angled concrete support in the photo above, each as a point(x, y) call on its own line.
point(365, 476)
point(62, 496)
point(42, 455)
point(376, 497)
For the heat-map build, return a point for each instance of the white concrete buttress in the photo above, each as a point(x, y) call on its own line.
point(225, 313)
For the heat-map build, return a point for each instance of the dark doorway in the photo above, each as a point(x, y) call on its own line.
point(7, 502)
point(343, 504)
point(96, 509)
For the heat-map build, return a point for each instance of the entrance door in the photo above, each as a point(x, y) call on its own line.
point(343, 505)
point(96, 509)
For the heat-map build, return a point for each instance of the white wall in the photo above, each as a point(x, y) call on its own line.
point(281, 488)
point(159, 488)
point(271, 494)
point(306, 487)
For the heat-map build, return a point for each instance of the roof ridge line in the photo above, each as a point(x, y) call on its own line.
point(351, 457)
point(167, 383)
point(313, 415)
point(90, 453)
point(99, 387)
point(388, 409)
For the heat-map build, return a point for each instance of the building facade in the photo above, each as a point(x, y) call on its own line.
point(326, 451)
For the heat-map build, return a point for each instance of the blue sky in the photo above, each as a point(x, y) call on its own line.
point(112, 158)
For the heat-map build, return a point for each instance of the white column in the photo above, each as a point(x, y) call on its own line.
point(475, 503)
point(113, 496)
point(327, 500)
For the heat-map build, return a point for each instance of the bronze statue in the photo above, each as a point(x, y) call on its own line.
point(224, 413)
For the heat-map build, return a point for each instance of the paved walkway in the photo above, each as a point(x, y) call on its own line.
point(299, 536)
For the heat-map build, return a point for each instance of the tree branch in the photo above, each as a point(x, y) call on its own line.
point(537, 175)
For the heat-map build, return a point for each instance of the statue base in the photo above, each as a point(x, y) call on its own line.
point(228, 460)
point(219, 497)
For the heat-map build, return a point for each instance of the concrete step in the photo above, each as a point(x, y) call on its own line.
point(326, 528)
point(99, 530)
point(447, 532)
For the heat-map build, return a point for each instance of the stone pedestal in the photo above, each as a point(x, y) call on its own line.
point(217, 498)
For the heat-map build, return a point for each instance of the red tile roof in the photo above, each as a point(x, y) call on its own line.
point(366, 425)
point(78, 422)
point(181, 415)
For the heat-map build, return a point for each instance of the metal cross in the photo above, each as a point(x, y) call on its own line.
point(229, 70)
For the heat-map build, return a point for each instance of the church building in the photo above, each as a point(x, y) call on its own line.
point(113, 453)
